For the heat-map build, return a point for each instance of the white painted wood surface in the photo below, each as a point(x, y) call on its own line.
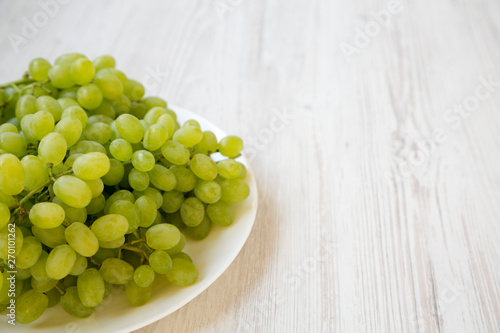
point(357, 231)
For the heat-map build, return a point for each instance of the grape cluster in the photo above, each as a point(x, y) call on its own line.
point(101, 186)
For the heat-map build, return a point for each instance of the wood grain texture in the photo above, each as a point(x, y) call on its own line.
point(378, 205)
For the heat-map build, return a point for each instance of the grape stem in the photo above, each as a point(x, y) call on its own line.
point(16, 83)
point(134, 249)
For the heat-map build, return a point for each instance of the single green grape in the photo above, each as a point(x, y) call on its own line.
point(82, 71)
point(130, 128)
point(60, 261)
point(70, 128)
point(136, 295)
point(104, 61)
point(146, 207)
point(143, 161)
point(91, 288)
point(192, 212)
point(110, 227)
point(220, 213)
point(50, 237)
point(89, 96)
point(12, 176)
point(172, 201)
point(203, 167)
point(234, 190)
point(30, 306)
point(81, 264)
point(160, 261)
point(91, 166)
point(72, 191)
point(60, 76)
point(138, 180)
point(39, 69)
point(175, 152)
point(229, 168)
point(13, 143)
point(129, 211)
point(155, 137)
point(208, 191)
point(188, 135)
point(116, 271)
point(144, 276)
point(81, 239)
point(200, 231)
point(162, 236)
point(121, 150)
point(71, 303)
point(162, 178)
point(50, 104)
point(98, 132)
point(186, 180)
point(78, 113)
point(183, 272)
point(231, 146)
point(52, 148)
point(29, 254)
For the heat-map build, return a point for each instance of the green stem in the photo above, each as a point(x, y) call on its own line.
point(18, 82)
point(134, 249)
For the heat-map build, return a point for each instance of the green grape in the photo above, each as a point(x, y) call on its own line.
point(167, 121)
point(138, 180)
point(99, 132)
point(133, 90)
point(68, 281)
point(29, 254)
point(162, 236)
point(188, 135)
point(89, 96)
point(13, 143)
point(172, 201)
point(191, 122)
point(91, 166)
point(25, 124)
point(115, 174)
point(201, 230)
point(115, 243)
point(72, 214)
point(116, 271)
point(160, 261)
point(179, 246)
point(50, 104)
point(220, 213)
point(25, 105)
point(72, 191)
point(153, 114)
point(80, 265)
point(121, 150)
point(109, 84)
point(231, 146)
point(208, 191)
point(129, 211)
point(43, 286)
point(138, 110)
point(4, 215)
point(186, 180)
point(39, 69)
point(144, 276)
point(82, 239)
point(208, 143)
point(183, 272)
point(99, 118)
point(155, 137)
point(7, 127)
point(175, 153)
point(96, 186)
point(52, 148)
point(96, 205)
point(77, 112)
point(121, 104)
point(8, 200)
point(60, 261)
point(82, 71)
point(110, 227)
point(143, 160)
point(54, 297)
point(12, 175)
point(146, 207)
point(30, 306)
point(153, 101)
point(68, 58)
point(234, 190)
point(91, 288)
point(152, 193)
point(104, 61)
point(104, 109)
point(84, 147)
point(50, 237)
point(71, 303)
point(130, 128)
point(113, 71)
point(66, 102)
point(136, 295)
point(5, 237)
point(229, 168)
point(159, 219)
point(69, 93)
point(118, 195)
point(203, 167)
point(38, 270)
point(70, 128)
point(192, 212)
point(162, 178)
point(23, 274)
point(41, 124)
point(60, 76)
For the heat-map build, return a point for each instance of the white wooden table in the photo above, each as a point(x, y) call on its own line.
point(375, 140)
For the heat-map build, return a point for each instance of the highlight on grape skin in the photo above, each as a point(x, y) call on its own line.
point(102, 186)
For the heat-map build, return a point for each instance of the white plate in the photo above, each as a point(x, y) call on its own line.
point(212, 256)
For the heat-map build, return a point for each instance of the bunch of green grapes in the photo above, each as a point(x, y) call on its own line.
point(101, 186)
